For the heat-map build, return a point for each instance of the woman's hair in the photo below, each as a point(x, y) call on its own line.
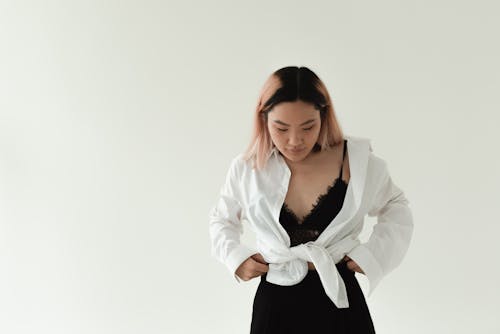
point(289, 84)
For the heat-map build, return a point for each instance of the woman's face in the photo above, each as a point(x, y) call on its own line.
point(294, 128)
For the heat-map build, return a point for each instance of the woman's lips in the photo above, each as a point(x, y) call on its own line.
point(296, 151)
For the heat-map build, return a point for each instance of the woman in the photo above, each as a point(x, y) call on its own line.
point(304, 188)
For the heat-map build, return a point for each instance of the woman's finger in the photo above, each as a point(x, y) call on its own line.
point(259, 258)
point(260, 267)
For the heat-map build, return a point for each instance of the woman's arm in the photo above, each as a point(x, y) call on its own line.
point(225, 227)
point(391, 235)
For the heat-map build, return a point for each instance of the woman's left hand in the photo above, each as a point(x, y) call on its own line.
point(351, 265)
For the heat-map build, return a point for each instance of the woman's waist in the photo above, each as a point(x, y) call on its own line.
point(311, 266)
point(279, 254)
point(313, 273)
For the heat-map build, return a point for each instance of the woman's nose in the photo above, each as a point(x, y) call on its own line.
point(295, 139)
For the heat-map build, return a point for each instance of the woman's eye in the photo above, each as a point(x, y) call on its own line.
point(307, 129)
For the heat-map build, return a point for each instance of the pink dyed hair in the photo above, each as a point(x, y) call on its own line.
point(291, 83)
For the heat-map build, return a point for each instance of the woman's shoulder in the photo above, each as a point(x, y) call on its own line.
point(377, 164)
point(238, 160)
point(359, 140)
point(365, 144)
point(239, 164)
point(247, 171)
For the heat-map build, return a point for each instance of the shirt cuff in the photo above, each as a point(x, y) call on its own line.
point(237, 256)
point(369, 264)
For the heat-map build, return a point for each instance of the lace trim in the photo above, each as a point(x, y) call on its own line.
point(301, 236)
point(321, 198)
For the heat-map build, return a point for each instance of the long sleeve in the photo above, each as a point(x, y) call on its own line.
point(391, 235)
point(225, 226)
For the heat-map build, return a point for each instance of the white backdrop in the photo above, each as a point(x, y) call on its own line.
point(118, 120)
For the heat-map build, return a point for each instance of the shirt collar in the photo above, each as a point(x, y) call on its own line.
point(274, 151)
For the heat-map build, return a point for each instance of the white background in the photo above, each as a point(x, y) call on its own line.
point(118, 120)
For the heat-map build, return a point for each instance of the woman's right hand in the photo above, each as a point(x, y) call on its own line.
point(252, 267)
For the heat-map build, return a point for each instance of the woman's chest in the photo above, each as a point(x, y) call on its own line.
point(307, 188)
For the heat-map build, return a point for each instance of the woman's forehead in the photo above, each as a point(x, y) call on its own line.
point(295, 106)
point(294, 114)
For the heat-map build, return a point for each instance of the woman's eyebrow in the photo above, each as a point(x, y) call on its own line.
point(283, 123)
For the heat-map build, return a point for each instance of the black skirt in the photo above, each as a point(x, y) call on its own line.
point(305, 307)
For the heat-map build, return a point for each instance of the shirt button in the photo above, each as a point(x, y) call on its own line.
point(316, 232)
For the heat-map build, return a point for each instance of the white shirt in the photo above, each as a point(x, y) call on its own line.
point(254, 197)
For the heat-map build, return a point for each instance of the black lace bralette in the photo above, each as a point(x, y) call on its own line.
point(325, 209)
